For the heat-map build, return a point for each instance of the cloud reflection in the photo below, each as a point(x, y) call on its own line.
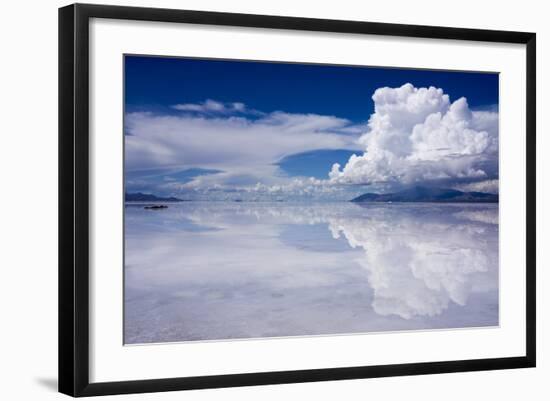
point(419, 258)
point(219, 270)
point(419, 262)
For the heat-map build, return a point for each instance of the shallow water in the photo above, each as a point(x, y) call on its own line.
point(227, 270)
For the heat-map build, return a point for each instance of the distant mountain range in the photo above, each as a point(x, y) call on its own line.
point(425, 194)
point(140, 197)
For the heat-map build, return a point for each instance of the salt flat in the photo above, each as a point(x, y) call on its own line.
point(234, 270)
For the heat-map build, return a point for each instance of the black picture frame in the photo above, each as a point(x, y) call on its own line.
point(74, 198)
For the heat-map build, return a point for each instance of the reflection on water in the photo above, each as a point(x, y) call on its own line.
point(215, 270)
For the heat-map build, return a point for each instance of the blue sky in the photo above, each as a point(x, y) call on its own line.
point(214, 126)
point(155, 83)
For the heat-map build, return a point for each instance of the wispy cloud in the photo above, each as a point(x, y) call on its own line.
point(210, 106)
point(244, 149)
point(490, 186)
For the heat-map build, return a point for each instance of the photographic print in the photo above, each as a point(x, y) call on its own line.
point(277, 199)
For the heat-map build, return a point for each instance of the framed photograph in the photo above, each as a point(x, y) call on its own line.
point(250, 199)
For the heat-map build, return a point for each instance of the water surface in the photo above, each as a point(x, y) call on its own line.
point(233, 270)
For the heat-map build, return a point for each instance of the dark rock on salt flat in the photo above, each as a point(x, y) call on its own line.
point(155, 207)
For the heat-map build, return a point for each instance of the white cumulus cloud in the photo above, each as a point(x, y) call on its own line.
point(417, 135)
